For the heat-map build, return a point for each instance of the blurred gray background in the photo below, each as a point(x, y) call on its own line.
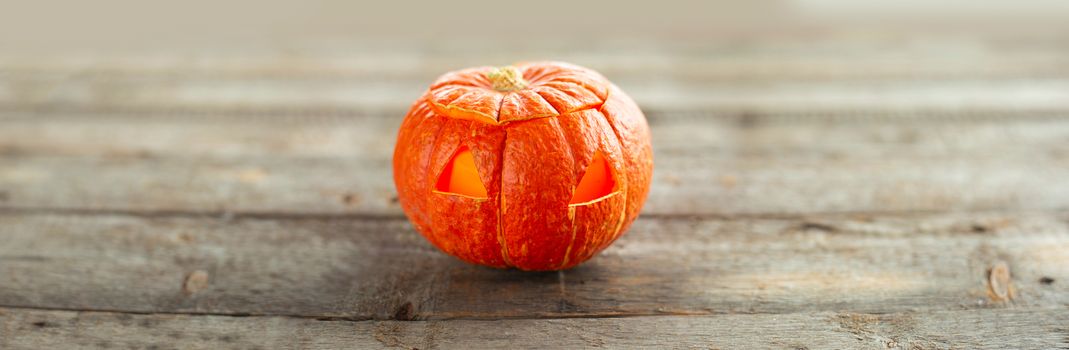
point(130, 26)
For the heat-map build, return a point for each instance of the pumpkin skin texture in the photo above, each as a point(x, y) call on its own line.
point(489, 161)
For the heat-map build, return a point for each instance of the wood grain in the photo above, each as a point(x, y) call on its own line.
point(838, 76)
point(266, 95)
point(363, 268)
point(978, 329)
point(823, 60)
point(705, 164)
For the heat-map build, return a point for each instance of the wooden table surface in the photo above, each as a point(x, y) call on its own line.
point(825, 194)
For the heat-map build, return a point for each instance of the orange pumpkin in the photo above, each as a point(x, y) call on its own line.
point(537, 166)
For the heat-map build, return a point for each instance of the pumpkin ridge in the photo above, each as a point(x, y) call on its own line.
point(575, 142)
point(560, 131)
point(423, 109)
point(625, 155)
point(453, 92)
point(571, 148)
point(573, 79)
point(576, 177)
point(501, 200)
point(563, 87)
point(575, 229)
point(522, 105)
point(551, 106)
point(433, 180)
point(497, 111)
point(539, 78)
point(619, 224)
point(543, 91)
point(596, 244)
point(446, 109)
point(601, 110)
point(460, 78)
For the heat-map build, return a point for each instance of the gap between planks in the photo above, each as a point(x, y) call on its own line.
point(307, 268)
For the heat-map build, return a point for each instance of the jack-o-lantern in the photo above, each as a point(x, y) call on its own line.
point(537, 166)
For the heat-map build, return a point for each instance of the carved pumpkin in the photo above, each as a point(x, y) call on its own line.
point(537, 166)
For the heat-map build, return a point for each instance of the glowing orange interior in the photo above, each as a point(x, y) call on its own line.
point(461, 177)
point(597, 182)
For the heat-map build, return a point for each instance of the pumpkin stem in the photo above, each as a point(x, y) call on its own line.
point(506, 79)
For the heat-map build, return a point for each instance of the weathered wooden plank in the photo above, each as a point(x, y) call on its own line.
point(762, 76)
point(977, 329)
point(704, 164)
point(683, 185)
point(118, 93)
point(364, 268)
point(819, 58)
point(372, 134)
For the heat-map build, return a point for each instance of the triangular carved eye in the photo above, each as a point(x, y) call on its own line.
point(596, 183)
point(460, 177)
